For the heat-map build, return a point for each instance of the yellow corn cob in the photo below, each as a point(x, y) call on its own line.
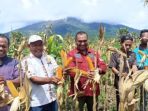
point(12, 88)
point(84, 73)
point(63, 56)
point(68, 61)
point(90, 63)
point(59, 72)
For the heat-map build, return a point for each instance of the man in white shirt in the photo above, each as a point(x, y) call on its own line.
point(41, 68)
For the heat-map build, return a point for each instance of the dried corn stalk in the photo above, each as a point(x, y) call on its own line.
point(144, 57)
point(5, 97)
point(128, 85)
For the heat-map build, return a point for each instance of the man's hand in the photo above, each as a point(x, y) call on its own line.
point(123, 74)
point(91, 75)
point(54, 80)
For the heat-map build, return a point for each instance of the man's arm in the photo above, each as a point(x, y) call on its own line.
point(101, 64)
point(113, 64)
point(16, 81)
point(115, 71)
point(44, 80)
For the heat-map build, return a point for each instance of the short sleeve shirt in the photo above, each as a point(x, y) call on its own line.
point(43, 67)
point(115, 62)
point(9, 68)
point(139, 57)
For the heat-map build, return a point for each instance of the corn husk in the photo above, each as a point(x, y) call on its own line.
point(15, 104)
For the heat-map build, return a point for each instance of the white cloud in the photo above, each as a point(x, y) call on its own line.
point(17, 13)
point(90, 2)
point(26, 3)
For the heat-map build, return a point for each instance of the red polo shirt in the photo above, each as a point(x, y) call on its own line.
point(82, 64)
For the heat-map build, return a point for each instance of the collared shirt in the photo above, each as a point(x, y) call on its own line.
point(43, 67)
point(139, 57)
point(83, 65)
point(115, 62)
point(9, 70)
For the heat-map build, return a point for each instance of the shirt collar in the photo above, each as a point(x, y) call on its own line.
point(32, 56)
point(4, 58)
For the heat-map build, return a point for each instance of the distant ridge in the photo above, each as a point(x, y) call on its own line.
point(72, 25)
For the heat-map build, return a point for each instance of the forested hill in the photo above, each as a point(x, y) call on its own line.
point(72, 25)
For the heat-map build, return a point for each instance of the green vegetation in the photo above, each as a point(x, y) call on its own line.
point(55, 43)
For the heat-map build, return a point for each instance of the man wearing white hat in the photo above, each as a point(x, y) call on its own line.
point(41, 69)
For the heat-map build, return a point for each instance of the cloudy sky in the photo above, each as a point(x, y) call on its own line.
point(18, 13)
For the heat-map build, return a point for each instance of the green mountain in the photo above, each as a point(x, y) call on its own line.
point(71, 26)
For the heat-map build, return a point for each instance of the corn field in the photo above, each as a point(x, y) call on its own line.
point(53, 45)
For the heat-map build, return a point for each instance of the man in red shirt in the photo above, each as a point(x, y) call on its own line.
point(79, 55)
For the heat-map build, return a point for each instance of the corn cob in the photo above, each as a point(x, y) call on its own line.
point(75, 70)
point(90, 63)
point(63, 56)
point(12, 88)
point(59, 72)
point(69, 60)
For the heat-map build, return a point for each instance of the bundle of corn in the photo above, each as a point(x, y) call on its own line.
point(59, 74)
point(127, 86)
point(5, 97)
point(65, 62)
point(20, 97)
point(96, 78)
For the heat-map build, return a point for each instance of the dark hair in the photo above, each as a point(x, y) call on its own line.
point(143, 31)
point(126, 37)
point(80, 33)
point(4, 36)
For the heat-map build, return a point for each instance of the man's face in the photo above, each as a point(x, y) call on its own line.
point(36, 48)
point(144, 38)
point(126, 45)
point(81, 42)
point(3, 47)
